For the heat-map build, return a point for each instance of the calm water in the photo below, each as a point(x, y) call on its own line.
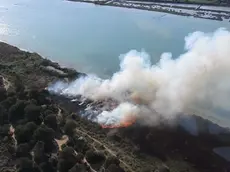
point(90, 38)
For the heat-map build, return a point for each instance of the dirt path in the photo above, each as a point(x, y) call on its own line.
point(6, 83)
point(62, 141)
point(111, 152)
point(59, 113)
point(12, 131)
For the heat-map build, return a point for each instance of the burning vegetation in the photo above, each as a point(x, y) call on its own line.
point(32, 119)
point(196, 81)
point(126, 122)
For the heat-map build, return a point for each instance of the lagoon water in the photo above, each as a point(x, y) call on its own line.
point(90, 38)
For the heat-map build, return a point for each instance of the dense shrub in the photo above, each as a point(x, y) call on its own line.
point(67, 159)
point(24, 133)
point(22, 95)
point(19, 86)
point(51, 121)
point(23, 150)
point(8, 102)
point(32, 113)
point(68, 153)
point(3, 94)
point(46, 135)
point(76, 141)
point(73, 116)
point(80, 157)
point(47, 167)
point(16, 112)
point(114, 168)
point(47, 112)
point(63, 146)
point(4, 130)
point(70, 142)
point(148, 169)
point(11, 93)
point(53, 159)
point(33, 94)
point(70, 127)
point(64, 165)
point(80, 144)
point(78, 168)
point(111, 160)
point(163, 168)
point(32, 101)
point(46, 62)
point(53, 108)
point(39, 152)
point(27, 165)
point(39, 95)
point(94, 156)
point(3, 115)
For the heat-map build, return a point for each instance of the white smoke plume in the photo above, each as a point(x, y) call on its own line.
point(198, 81)
point(117, 115)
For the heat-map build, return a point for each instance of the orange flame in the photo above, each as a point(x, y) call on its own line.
point(127, 121)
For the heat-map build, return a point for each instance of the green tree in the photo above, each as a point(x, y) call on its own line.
point(94, 157)
point(51, 121)
point(114, 168)
point(3, 94)
point(3, 115)
point(4, 130)
point(69, 127)
point(67, 159)
point(8, 102)
point(39, 152)
point(112, 160)
point(33, 113)
point(23, 150)
point(24, 133)
point(27, 165)
point(46, 135)
point(16, 112)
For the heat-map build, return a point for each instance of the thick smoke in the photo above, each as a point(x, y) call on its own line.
point(198, 81)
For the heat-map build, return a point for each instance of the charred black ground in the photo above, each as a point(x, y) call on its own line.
point(43, 132)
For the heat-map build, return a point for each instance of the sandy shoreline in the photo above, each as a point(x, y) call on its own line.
point(189, 10)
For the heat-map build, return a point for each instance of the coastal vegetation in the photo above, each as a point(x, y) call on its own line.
point(194, 8)
point(42, 132)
